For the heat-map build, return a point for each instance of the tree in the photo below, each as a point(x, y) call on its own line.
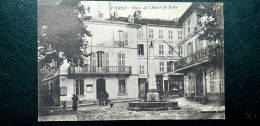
point(210, 19)
point(61, 29)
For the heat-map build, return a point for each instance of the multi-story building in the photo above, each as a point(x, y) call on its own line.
point(112, 67)
point(202, 62)
point(119, 63)
point(165, 36)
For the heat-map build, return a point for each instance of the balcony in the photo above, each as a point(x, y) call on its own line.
point(201, 56)
point(47, 73)
point(100, 70)
point(119, 43)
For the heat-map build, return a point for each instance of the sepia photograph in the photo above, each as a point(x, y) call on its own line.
point(125, 60)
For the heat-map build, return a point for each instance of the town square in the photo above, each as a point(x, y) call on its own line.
point(130, 61)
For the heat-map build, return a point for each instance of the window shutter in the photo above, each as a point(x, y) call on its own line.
point(119, 86)
point(138, 49)
point(126, 38)
point(103, 59)
point(123, 59)
point(125, 86)
point(107, 59)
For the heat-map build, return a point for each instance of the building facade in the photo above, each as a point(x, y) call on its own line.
point(165, 38)
point(112, 67)
point(202, 62)
point(118, 64)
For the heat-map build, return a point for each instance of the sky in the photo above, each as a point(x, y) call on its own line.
point(154, 10)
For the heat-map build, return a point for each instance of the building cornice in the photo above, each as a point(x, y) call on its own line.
point(112, 22)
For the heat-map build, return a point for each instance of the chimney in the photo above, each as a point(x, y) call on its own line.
point(137, 15)
point(130, 19)
point(115, 14)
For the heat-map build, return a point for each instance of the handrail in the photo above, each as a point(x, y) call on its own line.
point(208, 52)
point(100, 70)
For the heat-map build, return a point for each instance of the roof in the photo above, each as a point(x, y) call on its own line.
point(149, 21)
point(188, 12)
point(112, 22)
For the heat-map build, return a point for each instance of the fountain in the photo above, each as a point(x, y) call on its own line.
point(153, 101)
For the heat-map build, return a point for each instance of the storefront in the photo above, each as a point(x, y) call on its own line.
point(176, 85)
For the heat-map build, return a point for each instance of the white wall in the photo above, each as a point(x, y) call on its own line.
point(111, 87)
point(193, 24)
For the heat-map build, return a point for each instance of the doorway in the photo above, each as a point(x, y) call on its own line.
point(159, 82)
point(199, 85)
point(101, 87)
point(166, 88)
point(143, 88)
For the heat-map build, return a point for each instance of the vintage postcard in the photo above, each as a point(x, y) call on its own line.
point(102, 60)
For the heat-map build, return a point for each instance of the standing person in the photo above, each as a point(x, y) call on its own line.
point(101, 99)
point(64, 105)
point(106, 97)
point(75, 102)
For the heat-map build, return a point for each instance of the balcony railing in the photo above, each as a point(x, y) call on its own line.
point(100, 70)
point(119, 43)
point(46, 73)
point(207, 53)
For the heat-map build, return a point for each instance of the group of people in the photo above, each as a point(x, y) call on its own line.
point(103, 100)
point(103, 97)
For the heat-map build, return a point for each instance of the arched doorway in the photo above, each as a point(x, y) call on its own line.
point(101, 87)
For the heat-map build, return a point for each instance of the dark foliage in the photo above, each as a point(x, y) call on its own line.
point(212, 13)
point(60, 29)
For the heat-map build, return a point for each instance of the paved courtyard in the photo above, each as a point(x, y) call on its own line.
point(189, 110)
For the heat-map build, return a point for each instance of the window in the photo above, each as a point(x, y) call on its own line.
point(126, 39)
point(170, 34)
point(150, 33)
point(170, 50)
point(122, 86)
point(179, 34)
point(79, 87)
point(141, 69)
point(212, 82)
point(170, 66)
point(140, 48)
point(198, 44)
point(189, 26)
point(180, 49)
point(121, 62)
point(160, 34)
point(161, 66)
point(161, 49)
point(100, 59)
point(121, 59)
point(121, 38)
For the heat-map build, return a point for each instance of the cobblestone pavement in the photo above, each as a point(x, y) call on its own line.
point(190, 110)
